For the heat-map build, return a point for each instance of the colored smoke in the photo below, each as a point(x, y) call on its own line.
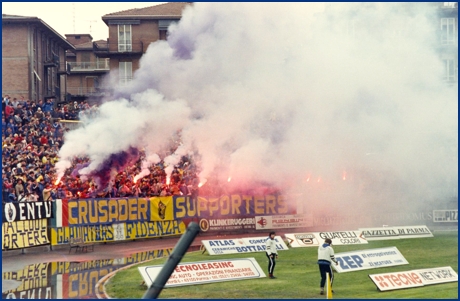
point(276, 93)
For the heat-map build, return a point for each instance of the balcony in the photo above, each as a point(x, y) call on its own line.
point(115, 49)
point(87, 91)
point(64, 68)
point(90, 66)
point(52, 61)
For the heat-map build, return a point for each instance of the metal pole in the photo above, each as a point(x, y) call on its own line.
point(168, 268)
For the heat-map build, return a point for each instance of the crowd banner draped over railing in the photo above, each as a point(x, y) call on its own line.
point(24, 234)
point(105, 220)
point(27, 211)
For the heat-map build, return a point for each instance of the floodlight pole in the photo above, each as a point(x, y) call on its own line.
point(168, 268)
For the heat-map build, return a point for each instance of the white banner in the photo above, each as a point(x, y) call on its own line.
point(201, 272)
point(259, 243)
point(388, 233)
point(396, 280)
point(437, 275)
point(383, 233)
point(240, 245)
point(223, 246)
point(413, 231)
point(313, 239)
point(414, 278)
point(283, 221)
point(445, 216)
point(368, 259)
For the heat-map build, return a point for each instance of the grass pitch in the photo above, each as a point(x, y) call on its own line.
point(298, 276)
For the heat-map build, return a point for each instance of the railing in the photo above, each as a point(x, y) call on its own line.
point(88, 66)
point(87, 91)
point(113, 48)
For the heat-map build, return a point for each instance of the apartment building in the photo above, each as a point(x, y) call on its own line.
point(447, 15)
point(132, 31)
point(33, 59)
point(86, 68)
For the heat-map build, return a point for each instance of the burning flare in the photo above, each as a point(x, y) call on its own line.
point(58, 180)
point(202, 183)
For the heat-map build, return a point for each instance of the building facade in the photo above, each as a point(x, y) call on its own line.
point(447, 17)
point(86, 68)
point(132, 31)
point(33, 59)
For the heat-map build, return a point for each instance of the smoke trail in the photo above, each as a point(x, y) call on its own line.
point(282, 93)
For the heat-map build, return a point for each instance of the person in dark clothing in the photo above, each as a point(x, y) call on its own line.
point(272, 254)
point(325, 258)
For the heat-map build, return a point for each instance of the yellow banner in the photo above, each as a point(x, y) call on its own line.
point(117, 232)
point(100, 211)
point(24, 234)
point(138, 230)
point(31, 277)
point(162, 208)
point(96, 233)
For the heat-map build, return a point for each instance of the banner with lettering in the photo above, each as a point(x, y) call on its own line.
point(227, 224)
point(26, 211)
point(414, 278)
point(24, 234)
point(312, 239)
point(231, 206)
point(108, 211)
point(368, 259)
point(445, 216)
point(240, 245)
point(284, 221)
point(34, 283)
point(437, 275)
point(117, 232)
point(192, 273)
point(380, 233)
point(413, 231)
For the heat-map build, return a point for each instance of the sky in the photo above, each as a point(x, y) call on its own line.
point(73, 17)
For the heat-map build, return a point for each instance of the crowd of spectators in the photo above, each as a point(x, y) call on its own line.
point(33, 133)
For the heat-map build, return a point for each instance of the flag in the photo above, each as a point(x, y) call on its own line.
point(328, 287)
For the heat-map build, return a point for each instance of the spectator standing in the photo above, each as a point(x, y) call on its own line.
point(325, 258)
point(272, 254)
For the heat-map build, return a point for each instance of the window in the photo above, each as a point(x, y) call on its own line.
point(85, 60)
point(449, 71)
point(163, 26)
point(163, 35)
point(447, 31)
point(448, 4)
point(125, 72)
point(124, 38)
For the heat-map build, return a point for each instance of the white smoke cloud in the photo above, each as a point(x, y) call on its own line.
point(280, 92)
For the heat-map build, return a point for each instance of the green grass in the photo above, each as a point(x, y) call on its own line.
point(298, 277)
